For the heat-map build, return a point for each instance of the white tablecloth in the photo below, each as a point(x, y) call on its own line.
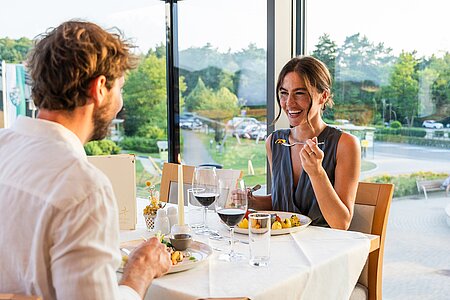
point(316, 263)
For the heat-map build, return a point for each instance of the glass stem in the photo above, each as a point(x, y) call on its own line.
point(205, 211)
point(232, 241)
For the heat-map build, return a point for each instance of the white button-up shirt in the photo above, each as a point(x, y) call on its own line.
point(59, 220)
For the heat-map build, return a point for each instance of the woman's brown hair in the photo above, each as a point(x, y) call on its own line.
point(66, 59)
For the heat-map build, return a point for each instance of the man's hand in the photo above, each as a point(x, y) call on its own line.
point(148, 261)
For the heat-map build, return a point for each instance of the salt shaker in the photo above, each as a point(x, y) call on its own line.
point(162, 222)
point(172, 214)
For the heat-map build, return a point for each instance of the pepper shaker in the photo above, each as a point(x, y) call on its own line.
point(172, 214)
point(162, 222)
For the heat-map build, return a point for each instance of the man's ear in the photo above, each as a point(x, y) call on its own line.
point(98, 90)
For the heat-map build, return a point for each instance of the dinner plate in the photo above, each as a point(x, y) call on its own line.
point(304, 221)
point(198, 253)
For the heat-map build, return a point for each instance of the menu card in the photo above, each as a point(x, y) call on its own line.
point(121, 171)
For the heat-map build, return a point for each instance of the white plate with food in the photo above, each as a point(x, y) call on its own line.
point(281, 223)
point(193, 256)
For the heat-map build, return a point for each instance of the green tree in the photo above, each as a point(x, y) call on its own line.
point(243, 72)
point(103, 147)
point(198, 97)
point(213, 77)
point(222, 100)
point(221, 106)
point(145, 98)
point(362, 67)
point(404, 87)
point(441, 85)
point(14, 51)
point(359, 59)
point(325, 51)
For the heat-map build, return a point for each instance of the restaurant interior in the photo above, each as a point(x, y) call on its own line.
point(204, 98)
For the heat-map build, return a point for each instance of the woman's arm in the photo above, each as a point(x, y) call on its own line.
point(336, 203)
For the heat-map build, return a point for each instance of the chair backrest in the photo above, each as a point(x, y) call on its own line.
point(18, 297)
point(370, 215)
point(168, 191)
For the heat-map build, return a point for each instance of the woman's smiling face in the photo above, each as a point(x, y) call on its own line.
point(296, 101)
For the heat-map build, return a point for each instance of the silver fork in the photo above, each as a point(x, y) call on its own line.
point(298, 143)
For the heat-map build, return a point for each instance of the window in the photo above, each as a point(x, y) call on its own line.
point(389, 81)
point(222, 59)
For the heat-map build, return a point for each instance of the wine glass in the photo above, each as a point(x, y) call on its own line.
point(231, 206)
point(205, 191)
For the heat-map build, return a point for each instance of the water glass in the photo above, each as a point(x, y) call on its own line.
point(259, 239)
point(195, 211)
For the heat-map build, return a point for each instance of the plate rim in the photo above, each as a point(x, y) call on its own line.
point(279, 231)
point(178, 267)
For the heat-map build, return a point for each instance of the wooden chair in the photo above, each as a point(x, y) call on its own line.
point(168, 191)
point(18, 297)
point(370, 216)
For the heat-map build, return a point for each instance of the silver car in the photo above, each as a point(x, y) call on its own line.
point(432, 124)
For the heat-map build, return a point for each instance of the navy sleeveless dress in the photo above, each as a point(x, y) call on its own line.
point(299, 197)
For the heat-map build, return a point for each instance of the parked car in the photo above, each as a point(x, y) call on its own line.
point(260, 132)
point(245, 129)
point(190, 123)
point(241, 121)
point(342, 121)
point(432, 124)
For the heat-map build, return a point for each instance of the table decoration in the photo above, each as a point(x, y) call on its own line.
point(151, 209)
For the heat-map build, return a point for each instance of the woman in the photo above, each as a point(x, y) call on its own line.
point(314, 179)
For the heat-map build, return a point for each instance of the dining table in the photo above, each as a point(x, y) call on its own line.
point(313, 263)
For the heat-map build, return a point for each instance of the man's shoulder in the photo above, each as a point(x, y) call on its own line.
point(79, 181)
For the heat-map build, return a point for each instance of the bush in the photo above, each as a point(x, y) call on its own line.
point(418, 132)
point(139, 144)
point(396, 124)
point(406, 184)
point(387, 130)
point(413, 140)
point(103, 147)
point(438, 133)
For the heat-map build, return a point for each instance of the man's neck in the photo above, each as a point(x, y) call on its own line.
point(79, 121)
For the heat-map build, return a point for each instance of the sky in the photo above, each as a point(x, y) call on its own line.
point(233, 24)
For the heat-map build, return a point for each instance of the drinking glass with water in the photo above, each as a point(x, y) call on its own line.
point(259, 239)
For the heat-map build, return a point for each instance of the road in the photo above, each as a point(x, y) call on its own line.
point(194, 152)
point(392, 158)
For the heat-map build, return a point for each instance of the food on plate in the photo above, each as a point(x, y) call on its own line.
point(175, 256)
point(280, 141)
point(295, 221)
point(276, 222)
point(286, 223)
point(276, 225)
point(243, 223)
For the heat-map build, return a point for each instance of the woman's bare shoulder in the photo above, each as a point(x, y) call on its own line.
point(348, 144)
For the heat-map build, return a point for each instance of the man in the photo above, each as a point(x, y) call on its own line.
point(60, 232)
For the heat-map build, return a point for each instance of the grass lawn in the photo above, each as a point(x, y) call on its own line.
point(236, 156)
point(367, 165)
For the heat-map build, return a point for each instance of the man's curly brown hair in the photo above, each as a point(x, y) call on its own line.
point(66, 59)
